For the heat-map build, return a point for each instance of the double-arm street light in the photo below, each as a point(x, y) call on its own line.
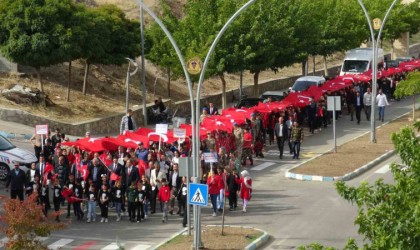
point(375, 44)
point(127, 82)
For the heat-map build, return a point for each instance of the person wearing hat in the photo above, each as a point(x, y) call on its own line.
point(204, 114)
point(16, 179)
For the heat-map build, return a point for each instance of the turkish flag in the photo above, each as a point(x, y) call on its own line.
point(114, 177)
point(66, 192)
point(142, 166)
point(105, 161)
point(83, 170)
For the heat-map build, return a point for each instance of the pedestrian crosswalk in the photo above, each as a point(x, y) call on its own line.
point(73, 244)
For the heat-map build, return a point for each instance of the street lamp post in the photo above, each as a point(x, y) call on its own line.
point(143, 72)
point(127, 82)
point(375, 45)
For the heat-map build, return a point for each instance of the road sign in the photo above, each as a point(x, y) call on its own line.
point(331, 102)
point(185, 166)
point(377, 22)
point(41, 129)
point(197, 194)
point(194, 66)
point(210, 157)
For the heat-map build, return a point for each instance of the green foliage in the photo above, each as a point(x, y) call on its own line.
point(36, 33)
point(410, 86)
point(388, 215)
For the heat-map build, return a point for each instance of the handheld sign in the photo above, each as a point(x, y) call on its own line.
point(210, 157)
point(162, 129)
point(41, 129)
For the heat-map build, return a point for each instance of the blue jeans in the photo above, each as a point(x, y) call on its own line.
point(296, 149)
point(91, 209)
point(213, 198)
point(220, 199)
point(118, 208)
point(146, 207)
point(382, 113)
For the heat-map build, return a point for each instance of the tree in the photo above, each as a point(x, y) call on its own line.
point(36, 33)
point(409, 87)
point(389, 214)
point(112, 38)
point(23, 222)
point(160, 51)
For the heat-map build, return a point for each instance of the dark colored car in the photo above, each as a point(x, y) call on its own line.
point(248, 102)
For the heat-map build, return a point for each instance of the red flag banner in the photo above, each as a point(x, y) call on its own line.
point(114, 177)
point(83, 170)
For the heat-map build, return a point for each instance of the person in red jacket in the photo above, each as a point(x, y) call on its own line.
point(247, 147)
point(213, 181)
point(246, 189)
point(221, 197)
point(164, 196)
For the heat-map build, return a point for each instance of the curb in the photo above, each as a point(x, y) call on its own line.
point(348, 176)
point(252, 246)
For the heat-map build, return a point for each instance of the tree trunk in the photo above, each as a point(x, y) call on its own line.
point(256, 86)
point(325, 66)
point(222, 78)
point(313, 65)
point(85, 77)
point(169, 82)
point(38, 74)
point(69, 84)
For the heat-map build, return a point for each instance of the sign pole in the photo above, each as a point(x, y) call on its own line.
point(42, 143)
point(334, 135)
point(188, 200)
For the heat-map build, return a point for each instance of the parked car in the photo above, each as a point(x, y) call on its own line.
point(403, 59)
point(9, 154)
point(248, 102)
point(392, 64)
point(303, 83)
point(274, 95)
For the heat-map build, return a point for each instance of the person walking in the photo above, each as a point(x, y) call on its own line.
point(127, 123)
point(358, 104)
point(296, 137)
point(381, 101)
point(246, 189)
point(367, 102)
point(164, 196)
point(214, 190)
point(281, 132)
point(17, 182)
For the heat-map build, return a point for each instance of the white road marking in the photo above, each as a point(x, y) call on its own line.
point(112, 246)
point(60, 243)
point(383, 169)
point(263, 166)
point(141, 247)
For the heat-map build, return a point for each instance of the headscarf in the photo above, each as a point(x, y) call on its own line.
point(246, 176)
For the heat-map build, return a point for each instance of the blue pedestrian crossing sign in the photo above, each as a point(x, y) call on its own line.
point(197, 194)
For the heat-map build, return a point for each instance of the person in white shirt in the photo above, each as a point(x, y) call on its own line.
point(367, 102)
point(381, 101)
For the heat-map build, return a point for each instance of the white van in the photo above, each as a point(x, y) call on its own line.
point(305, 82)
point(359, 60)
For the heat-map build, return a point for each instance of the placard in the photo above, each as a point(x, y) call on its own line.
point(210, 157)
point(41, 129)
point(180, 132)
point(162, 128)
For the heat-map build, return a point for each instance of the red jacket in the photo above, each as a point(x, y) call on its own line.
point(164, 194)
point(247, 140)
point(213, 183)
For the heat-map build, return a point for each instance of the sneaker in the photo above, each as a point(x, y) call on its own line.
point(88, 221)
point(94, 219)
point(145, 216)
point(138, 221)
point(118, 218)
point(106, 220)
point(244, 210)
point(214, 214)
point(102, 220)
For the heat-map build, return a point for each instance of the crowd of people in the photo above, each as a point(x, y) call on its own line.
point(138, 181)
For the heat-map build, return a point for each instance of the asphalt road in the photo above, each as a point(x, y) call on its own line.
point(293, 212)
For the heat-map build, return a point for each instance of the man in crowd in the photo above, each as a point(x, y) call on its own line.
point(367, 101)
point(281, 132)
point(17, 181)
point(381, 101)
point(128, 123)
point(296, 137)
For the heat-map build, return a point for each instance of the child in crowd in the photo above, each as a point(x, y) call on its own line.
point(139, 202)
point(103, 203)
point(117, 193)
point(131, 198)
point(57, 198)
point(78, 194)
point(164, 196)
point(91, 204)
